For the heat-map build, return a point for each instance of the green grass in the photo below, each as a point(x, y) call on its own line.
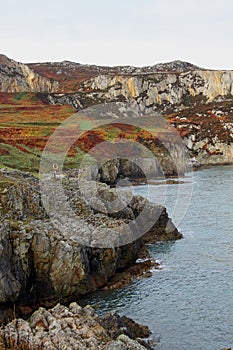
point(75, 161)
point(21, 96)
point(30, 162)
point(16, 159)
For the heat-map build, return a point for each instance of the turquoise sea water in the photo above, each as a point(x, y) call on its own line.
point(188, 303)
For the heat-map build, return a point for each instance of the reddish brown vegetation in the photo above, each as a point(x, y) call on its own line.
point(27, 122)
point(69, 76)
point(203, 121)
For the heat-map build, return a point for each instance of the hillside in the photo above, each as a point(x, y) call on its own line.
point(198, 102)
point(26, 123)
point(71, 74)
point(16, 77)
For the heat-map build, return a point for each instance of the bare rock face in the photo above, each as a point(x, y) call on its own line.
point(70, 327)
point(172, 89)
point(117, 325)
point(207, 131)
point(41, 264)
point(38, 263)
point(161, 88)
point(117, 169)
point(17, 77)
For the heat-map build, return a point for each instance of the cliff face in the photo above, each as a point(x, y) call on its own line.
point(197, 101)
point(40, 263)
point(207, 131)
point(135, 170)
point(168, 83)
point(75, 328)
point(164, 88)
point(71, 74)
point(17, 77)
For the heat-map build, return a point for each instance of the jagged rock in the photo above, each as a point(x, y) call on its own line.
point(18, 77)
point(124, 343)
point(70, 73)
point(117, 325)
point(9, 285)
point(144, 169)
point(20, 202)
point(166, 87)
point(153, 90)
point(63, 327)
point(41, 263)
point(207, 136)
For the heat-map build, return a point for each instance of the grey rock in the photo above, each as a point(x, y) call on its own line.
point(72, 327)
point(39, 261)
point(18, 77)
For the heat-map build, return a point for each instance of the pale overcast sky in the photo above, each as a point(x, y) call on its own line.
point(123, 32)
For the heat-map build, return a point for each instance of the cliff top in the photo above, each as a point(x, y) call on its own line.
point(69, 74)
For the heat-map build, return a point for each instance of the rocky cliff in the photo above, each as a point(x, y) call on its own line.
point(168, 83)
point(159, 89)
point(17, 77)
point(199, 102)
point(71, 74)
point(74, 328)
point(207, 131)
point(40, 264)
point(143, 169)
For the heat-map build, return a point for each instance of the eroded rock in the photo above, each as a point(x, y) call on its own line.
point(18, 77)
point(41, 263)
point(73, 328)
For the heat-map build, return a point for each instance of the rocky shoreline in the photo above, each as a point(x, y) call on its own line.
point(75, 328)
point(41, 266)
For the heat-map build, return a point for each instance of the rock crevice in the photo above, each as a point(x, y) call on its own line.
point(40, 264)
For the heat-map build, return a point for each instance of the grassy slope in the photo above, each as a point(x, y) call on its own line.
point(25, 125)
point(26, 122)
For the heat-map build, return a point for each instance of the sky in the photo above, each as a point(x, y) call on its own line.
point(123, 32)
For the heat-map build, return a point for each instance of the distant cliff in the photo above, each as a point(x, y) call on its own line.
point(17, 77)
point(157, 89)
point(160, 87)
point(39, 263)
point(198, 102)
point(173, 83)
point(71, 74)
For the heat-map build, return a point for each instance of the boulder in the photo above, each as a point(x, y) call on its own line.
point(70, 327)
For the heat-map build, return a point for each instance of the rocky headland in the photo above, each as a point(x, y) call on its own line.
point(18, 77)
point(199, 103)
point(75, 328)
point(42, 265)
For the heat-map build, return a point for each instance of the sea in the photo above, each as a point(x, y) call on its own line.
point(188, 301)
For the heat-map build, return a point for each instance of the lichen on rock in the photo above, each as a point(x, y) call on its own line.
point(73, 328)
point(40, 264)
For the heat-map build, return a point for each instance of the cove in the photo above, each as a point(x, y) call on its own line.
point(188, 303)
